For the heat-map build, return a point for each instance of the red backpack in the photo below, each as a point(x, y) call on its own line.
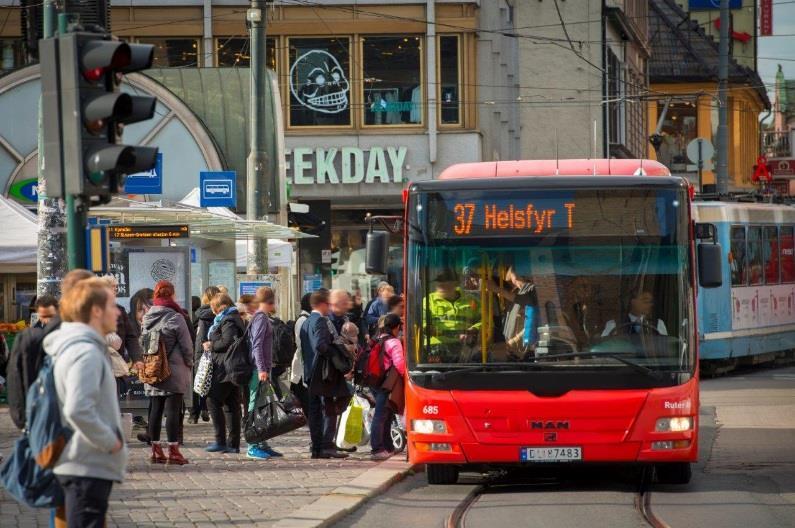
point(371, 364)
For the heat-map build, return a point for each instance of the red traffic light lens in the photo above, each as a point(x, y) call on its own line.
point(94, 74)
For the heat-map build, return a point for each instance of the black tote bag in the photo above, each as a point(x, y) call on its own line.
point(272, 417)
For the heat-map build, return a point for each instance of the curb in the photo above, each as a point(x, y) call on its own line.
point(343, 500)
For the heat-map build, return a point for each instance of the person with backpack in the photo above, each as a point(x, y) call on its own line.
point(283, 347)
point(227, 328)
point(95, 456)
point(261, 339)
point(388, 352)
point(27, 353)
point(297, 385)
point(164, 325)
point(203, 320)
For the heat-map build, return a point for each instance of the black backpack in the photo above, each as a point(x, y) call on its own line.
point(283, 342)
point(238, 366)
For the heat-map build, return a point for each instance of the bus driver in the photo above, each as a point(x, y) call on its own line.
point(638, 318)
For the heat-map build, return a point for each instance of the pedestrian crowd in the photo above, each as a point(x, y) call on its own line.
point(235, 359)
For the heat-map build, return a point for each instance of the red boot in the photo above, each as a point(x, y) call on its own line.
point(157, 457)
point(174, 456)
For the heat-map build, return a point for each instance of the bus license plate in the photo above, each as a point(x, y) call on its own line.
point(550, 454)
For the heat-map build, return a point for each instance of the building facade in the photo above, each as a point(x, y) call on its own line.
point(683, 74)
point(778, 139)
point(582, 71)
point(371, 97)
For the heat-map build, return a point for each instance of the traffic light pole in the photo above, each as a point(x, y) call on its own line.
point(76, 218)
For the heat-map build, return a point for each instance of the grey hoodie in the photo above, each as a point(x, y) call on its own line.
point(89, 403)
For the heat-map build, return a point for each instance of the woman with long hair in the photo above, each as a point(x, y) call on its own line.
point(170, 319)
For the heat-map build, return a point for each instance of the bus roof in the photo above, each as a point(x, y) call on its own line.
point(567, 167)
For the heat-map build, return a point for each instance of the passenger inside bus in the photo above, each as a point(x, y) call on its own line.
point(520, 327)
point(638, 319)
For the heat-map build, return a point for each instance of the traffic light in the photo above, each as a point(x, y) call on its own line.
point(94, 111)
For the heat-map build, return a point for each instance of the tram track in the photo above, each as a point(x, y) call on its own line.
point(642, 501)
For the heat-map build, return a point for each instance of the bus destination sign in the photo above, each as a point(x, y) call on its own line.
point(508, 217)
point(148, 232)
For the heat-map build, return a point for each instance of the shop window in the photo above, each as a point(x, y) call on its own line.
point(787, 254)
point(319, 85)
point(770, 254)
point(679, 128)
point(755, 255)
point(737, 261)
point(174, 52)
point(450, 80)
point(232, 52)
point(12, 56)
point(392, 80)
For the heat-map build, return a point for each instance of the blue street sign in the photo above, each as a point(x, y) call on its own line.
point(148, 182)
point(713, 4)
point(217, 189)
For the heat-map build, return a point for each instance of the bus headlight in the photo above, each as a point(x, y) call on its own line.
point(673, 424)
point(428, 426)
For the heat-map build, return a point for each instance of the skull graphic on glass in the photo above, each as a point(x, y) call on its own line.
point(318, 82)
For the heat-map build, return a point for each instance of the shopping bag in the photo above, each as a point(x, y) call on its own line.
point(354, 424)
point(353, 429)
point(271, 417)
point(204, 375)
point(367, 420)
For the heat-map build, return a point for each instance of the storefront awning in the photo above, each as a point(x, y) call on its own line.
point(203, 223)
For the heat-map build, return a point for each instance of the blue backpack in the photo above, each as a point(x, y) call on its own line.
point(27, 474)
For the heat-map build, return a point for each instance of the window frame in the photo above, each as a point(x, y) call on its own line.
point(353, 74)
point(459, 58)
point(197, 40)
point(765, 261)
point(781, 256)
point(423, 124)
point(217, 40)
point(761, 241)
point(744, 265)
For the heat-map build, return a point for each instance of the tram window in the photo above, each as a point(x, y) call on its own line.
point(737, 262)
point(787, 254)
point(770, 254)
point(755, 269)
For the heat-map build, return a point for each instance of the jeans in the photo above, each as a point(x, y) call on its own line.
point(322, 425)
point(86, 500)
point(380, 432)
point(172, 406)
point(225, 395)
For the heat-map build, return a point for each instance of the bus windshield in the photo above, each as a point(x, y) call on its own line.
point(575, 278)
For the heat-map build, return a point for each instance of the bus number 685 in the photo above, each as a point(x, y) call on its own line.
point(430, 409)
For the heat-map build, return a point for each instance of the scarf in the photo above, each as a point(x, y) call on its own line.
point(219, 318)
point(169, 303)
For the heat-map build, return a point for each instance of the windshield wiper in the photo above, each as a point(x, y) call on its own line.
point(485, 367)
point(636, 366)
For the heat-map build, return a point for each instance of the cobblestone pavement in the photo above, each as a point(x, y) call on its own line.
point(213, 490)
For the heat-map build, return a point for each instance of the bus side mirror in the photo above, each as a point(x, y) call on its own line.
point(376, 252)
point(710, 272)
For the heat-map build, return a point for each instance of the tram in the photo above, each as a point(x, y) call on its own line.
point(551, 315)
point(758, 285)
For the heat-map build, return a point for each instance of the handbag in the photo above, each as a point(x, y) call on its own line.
point(271, 417)
point(204, 374)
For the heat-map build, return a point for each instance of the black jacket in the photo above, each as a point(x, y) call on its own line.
point(129, 333)
point(24, 363)
point(324, 379)
point(203, 319)
point(222, 339)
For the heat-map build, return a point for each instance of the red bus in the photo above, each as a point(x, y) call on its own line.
point(550, 316)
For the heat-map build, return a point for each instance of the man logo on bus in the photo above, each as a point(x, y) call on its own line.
point(539, 424)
